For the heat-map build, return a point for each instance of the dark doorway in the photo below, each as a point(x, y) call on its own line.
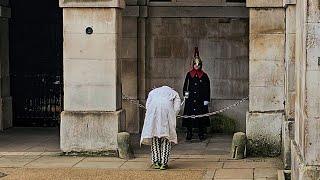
point(36, 62)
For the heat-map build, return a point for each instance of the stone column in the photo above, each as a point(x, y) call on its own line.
point(5, 99)
point(129, 51)
point(93, 113)
point(306, 144)
point(142, 49)
point(266, 77)
point(290, 81)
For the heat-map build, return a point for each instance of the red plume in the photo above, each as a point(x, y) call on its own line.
point(196, 52)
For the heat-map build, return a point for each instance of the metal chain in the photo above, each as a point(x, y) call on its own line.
point(215, 112)
point(134, 101)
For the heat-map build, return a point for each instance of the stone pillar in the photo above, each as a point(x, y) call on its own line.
point(290, 82)
point(5, 99)
point(142, 49)
point(129, 51)
point(266, 77)
point(93, 113)
point(306, 144)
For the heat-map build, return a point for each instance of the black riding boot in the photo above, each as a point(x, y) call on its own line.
point(189, 134)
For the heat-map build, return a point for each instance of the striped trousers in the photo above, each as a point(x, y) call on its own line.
point(160, 150)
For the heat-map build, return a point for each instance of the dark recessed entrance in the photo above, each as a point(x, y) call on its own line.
point(36, 62)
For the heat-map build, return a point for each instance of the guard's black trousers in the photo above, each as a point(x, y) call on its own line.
point(160, 150)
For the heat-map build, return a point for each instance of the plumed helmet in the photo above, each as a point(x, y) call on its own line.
point(196, 58)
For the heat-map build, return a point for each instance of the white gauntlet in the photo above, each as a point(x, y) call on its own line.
point(205, 103)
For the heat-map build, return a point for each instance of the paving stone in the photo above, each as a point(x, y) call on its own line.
point(241, 165)
point(231, 179)
point(55, 162)
point(195, 165)
point(16, 161)
point(265, 173)
point(234, 173)
point(209, 175)
point(196, 160)
point(100, 165)
point(103, 159)
point(136, 165)
point(140, 159)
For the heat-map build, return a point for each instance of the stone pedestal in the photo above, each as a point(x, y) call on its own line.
point(90, 131)
point(93, 112)
point(266, 77)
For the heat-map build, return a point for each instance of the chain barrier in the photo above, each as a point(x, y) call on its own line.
point(134, 101)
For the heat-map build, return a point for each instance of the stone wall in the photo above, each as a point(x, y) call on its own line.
point(306, 144)
point(223, 46)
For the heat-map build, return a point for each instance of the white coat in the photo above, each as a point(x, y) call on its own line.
point(163, 105)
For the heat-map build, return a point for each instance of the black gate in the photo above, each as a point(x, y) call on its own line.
point(36, 62)
point(37, 99)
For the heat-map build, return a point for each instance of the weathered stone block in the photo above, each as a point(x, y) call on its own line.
point(132, 116)
point(290, 104)
point(264, 133)
point(267, 21)
point(102, 20)
point(89, 72)
point(92, 3)
point(299, 168)
point(131, 11)
point(312, 94)
point(124, 146)
point(131, 2)
point(266, 98)
point(83, 46)
point(238, 147)
point(129, 47)
point(287, 136)
point(291, 19)
point(266, 73)
point(264, 3)
point(90, 131)
point(313, 15)
point(312, 141)
point(313, 45)
point(286, 3)
point(130, 77)
point(129, 27)
point(267, 47)
point(91, 98)
point(290, 48)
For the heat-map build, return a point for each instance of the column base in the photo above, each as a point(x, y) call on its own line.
point(299, 169)
point(287, 136)
point(90, 131)
point(264, 133)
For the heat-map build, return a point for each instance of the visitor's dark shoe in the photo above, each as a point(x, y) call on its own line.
point(189, 136)
point(156, 166)
point(163, 167)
